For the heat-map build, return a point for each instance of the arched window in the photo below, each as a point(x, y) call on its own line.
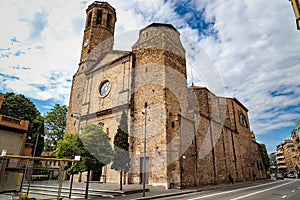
point(243, 120)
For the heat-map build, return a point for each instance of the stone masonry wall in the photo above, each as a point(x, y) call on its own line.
point(158, 75)
point(222, 150)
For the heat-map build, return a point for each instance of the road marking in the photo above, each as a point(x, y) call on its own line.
point(251, 194)
point(283, 196)
point(241, 189)
point(293, 191)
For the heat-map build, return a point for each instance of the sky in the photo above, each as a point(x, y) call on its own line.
point(247, 49)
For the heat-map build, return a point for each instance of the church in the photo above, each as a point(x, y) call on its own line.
point(193, 137)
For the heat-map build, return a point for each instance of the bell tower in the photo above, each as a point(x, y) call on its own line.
point(99, 28)
point(98, 37)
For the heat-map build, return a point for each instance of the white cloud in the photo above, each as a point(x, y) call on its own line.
point(49, 35)
point(257, 53)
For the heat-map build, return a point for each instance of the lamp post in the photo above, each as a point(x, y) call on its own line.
point(144, 112)
point(36, 143)
point(76, 158)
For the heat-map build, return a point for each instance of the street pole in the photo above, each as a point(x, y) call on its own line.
point(34, 152)
point(144, 112)
point(36, 142)
point(71, 185)
point(78, 130)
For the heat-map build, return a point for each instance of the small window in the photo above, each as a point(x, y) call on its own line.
point(109, 19)
point(89, 21)
point(243, 120)
point(173, 124)
point(99, 17)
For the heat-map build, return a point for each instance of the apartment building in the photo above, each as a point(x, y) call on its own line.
point(286, 159)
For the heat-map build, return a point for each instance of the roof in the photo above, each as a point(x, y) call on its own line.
point(155, 24)
point(100, 3)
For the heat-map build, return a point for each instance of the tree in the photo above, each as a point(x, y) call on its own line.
point(265, 156)
point(121, 161)
point(18, 106)
point(94, 147)
point(38, 124)
point(69, 146)
point(55, 122)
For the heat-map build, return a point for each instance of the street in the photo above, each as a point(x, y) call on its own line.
point(283, 189)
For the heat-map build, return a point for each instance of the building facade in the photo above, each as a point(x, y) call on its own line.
point(286, 156)
point(193, 137)
point(12, 142)
point(12, 133)
point(295, 138)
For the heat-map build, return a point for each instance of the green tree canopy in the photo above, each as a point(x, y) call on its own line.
point(69, 146)
point(97, 144)
point(121, 160)
point(265, 156)
point(55, 122)
point(92, 145)
point(19, 106)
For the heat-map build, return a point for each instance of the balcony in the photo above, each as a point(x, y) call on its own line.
point(280, 152)
point(282, 167)
point(279, 157)
point(294, 155)
point(281, 162)
point(14, 122)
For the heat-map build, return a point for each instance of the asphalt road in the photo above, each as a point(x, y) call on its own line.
point(281, 189)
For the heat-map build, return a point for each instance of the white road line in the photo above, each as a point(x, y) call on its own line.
point(283, 196)
point(251, 194)
point(241, 189)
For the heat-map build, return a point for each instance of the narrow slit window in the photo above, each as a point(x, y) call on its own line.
point(109, 19)
point(99, 17)
point(89, 21)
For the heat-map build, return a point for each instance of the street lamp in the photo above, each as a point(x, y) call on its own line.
point(296, 8)
point(144, 112)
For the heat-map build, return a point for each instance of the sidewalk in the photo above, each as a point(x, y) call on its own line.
point(135, 191)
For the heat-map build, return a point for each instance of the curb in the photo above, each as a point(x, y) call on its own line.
point(166, 195)
point(213, 187)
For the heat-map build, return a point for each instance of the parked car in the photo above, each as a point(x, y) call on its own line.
point(279, 176)
point(290, 175)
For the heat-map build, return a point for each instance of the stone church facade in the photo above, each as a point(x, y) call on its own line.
point(193, 137)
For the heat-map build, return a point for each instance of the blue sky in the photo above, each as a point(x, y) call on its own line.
point(247, 49)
